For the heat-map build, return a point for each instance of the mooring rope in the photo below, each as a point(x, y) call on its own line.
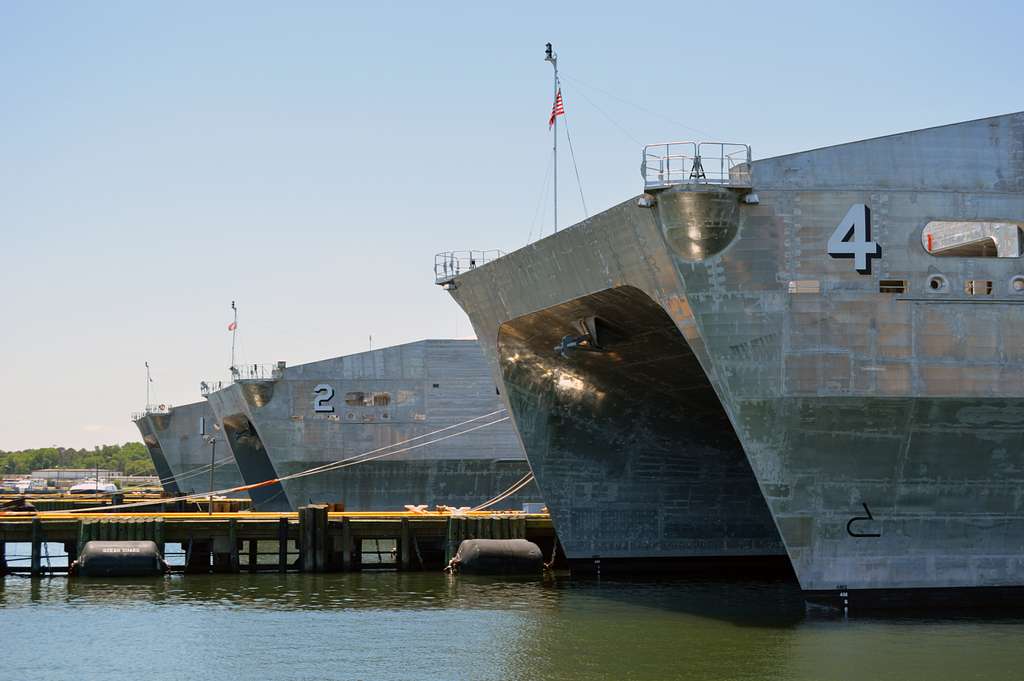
point(523, 482)
point(499, 496)
point(343, 463)
point(203, 469)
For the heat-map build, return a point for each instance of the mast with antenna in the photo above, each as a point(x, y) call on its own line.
point(552, 57)
point(149, 379)
point(234, 334)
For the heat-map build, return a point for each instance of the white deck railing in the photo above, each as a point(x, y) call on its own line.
point(244, 372)
point(670, 163)
point(152, 409)
point(451, 264)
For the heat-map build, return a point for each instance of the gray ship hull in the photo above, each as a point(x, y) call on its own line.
point(637, 464)
point(878, 399)
point(163, 469)
point(188, 454)
point(230, 407)
point(318, 413)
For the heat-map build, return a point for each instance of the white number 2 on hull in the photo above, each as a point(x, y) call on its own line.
point(322, 394)
point(852, 239)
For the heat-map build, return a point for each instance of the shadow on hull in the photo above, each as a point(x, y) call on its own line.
point(254, 464)
point(163, 470)
point(634, 454)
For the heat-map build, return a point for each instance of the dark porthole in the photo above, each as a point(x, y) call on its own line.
point(937, 284)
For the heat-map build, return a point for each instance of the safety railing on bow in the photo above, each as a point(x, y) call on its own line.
point(151, 409)
point(256, 372)
point(451, 264)
point(244, 372)
point(207, 387)
point(671, 163)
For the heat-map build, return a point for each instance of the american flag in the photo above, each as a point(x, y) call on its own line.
point(558, 109)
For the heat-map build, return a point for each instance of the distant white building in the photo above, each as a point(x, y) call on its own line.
point(76, 474)
point(66, 477)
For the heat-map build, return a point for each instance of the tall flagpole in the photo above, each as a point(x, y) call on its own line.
point(552, 56)
point(149, 380)
point(234, 332)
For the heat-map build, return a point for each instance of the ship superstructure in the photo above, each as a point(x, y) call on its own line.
point(842, 326)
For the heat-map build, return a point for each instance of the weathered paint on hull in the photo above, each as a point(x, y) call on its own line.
point(377, 399)
point(636, 460)
point(390, 485)
point(163, 470)
point(188, 455)
point(884, 427)
point(229, 407)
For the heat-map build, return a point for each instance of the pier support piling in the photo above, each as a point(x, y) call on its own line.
point(282, 545)
point(3, 558)
point(405, 545)
point(225, 550)
point(346, 545)
point(158, 536)
point(36, 567)
point(313, 537)
point(323, 543)
point(197, 556)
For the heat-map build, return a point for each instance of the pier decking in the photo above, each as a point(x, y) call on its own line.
point(311, 540)
point(70, 502)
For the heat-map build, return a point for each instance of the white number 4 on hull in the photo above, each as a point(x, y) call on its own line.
point(852, 239)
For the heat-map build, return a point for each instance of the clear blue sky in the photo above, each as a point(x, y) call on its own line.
point(308, 160)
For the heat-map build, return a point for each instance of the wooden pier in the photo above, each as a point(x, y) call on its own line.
point(311, 540)
point(71, 502)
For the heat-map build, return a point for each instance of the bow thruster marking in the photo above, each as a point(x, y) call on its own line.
point(849, 524)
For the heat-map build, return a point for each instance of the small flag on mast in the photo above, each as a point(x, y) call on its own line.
point(232, 326)
point(557, 109)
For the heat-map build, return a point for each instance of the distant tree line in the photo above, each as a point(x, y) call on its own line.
point(131, 458)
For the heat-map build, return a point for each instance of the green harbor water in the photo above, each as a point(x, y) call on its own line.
point(387, 625)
